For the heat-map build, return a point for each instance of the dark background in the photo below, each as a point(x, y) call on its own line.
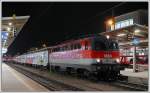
point(53, 22)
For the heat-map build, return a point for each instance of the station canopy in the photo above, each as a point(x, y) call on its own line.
point(11, 26)
point(125, 36)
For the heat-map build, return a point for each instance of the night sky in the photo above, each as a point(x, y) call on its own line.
point(54, 22)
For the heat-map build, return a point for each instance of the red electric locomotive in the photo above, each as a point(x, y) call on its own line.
point(91, 55)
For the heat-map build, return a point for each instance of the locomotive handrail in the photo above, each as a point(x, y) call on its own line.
point(136, 56)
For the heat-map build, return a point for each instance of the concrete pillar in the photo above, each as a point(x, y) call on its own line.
point(134, 59)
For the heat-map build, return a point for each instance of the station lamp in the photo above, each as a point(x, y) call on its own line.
point(122, 34)
point(137, 31)
point(8, 28)
point(107, 36)
point(36, 48)
point(44, 45)
point(110, 22)
point(9, 23)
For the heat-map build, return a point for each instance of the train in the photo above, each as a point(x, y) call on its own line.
point(93, 55)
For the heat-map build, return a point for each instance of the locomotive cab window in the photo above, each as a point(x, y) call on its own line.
point(114, 46)
point(99, 45)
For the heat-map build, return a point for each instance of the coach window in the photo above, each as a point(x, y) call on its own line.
point(63, 48)
point(55, 49)
point(71, 46)
point(60, 48)
point(66, 47)
point(74, 46)
point(79, 46)
point(86, 45)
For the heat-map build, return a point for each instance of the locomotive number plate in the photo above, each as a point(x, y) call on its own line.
point(108, 60)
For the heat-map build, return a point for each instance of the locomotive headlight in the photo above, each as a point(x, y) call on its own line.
point(117, 60)
point(98, 60)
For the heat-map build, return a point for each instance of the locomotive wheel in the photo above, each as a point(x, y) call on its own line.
point(93, 77)
point(68, 70)
point(86, 73)
point(80, 73)
point(57, 69)
point(102, 75)
point(52, 68)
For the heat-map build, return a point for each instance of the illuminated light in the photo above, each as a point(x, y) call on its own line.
point(110, 22)
point(10, 24)
point(98, 60)
point(4, 41)
point(121, 35)
point(137, 31)
point(44, 45)
point(107, 36)
point(6, 34)
point(8, 28)
point(4, 50)
point(117, 60)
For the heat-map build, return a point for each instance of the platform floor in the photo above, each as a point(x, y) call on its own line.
point(129, 72)
point(13, 81)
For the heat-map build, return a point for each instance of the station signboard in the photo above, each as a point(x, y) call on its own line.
point(135, 41)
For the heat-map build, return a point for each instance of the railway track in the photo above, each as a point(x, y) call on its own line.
point(131, 86)
point(52, 85)
point(55, 85)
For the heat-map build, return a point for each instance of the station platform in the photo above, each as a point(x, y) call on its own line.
point(129, 72)
point(136, 77)
point(13, 81)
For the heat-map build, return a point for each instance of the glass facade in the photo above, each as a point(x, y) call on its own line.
point(141, 54)
point(129, 52)
point(122, 24)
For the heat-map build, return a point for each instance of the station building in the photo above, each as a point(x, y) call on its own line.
point(130, 30)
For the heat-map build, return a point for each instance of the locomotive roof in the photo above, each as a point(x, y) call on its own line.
point(81, 38)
